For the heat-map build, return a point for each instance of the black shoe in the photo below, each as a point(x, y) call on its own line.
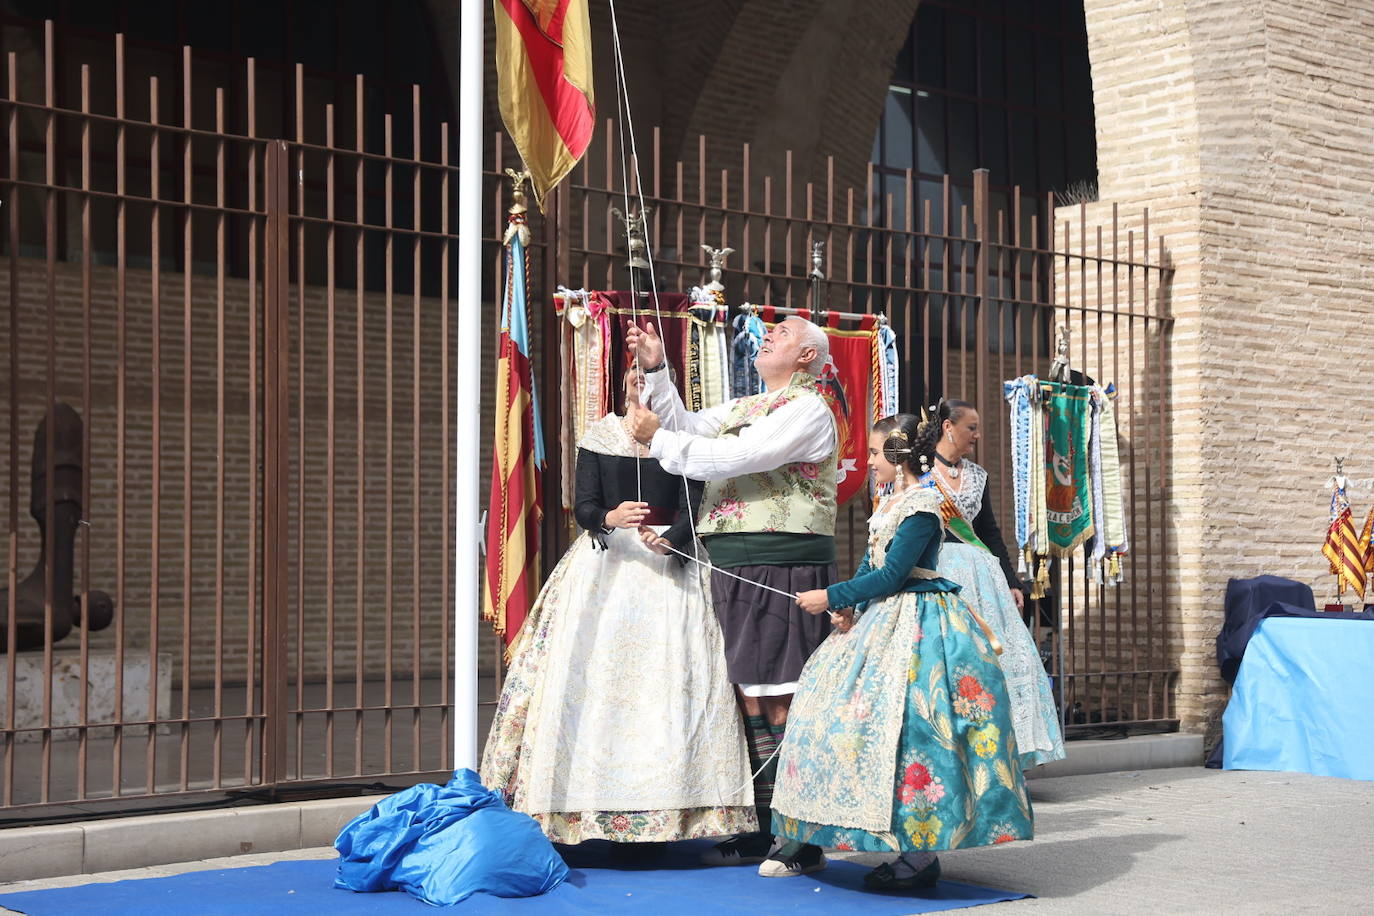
point(741, 849)
point(793, 859)
point(903, 877)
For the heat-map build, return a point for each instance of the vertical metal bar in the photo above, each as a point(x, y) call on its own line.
point(871, 205)
point(277, 370)
point(298, 608)
point(910, 252)
point(415, 442)
point(1130, 457)
point(186, 431)
point(1101, 590)
point(50, 427)
point(787, 229)
point(1154, 432)
point(610, 197)
point(1165, 710)
point(768, 238)
point(446, 718)
point(220, 203)
point(155, 161)
point(945, 263)
point(1116, 376)
point(982, 218)
point(923, 293)
point(746, 190)
point(329, 471)
point(121, 421)
point(257, 472)
point(390, 441)
point(12, 558)
point(360, 634)
point(1068, 606)
point(83, 747)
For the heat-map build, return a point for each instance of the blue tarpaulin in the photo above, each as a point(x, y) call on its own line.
point(443, 844)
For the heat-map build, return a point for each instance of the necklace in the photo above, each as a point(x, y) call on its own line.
point(952, 465)
point(641, 451)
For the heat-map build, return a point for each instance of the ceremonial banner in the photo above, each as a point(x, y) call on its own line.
point(1068, 489)
point(514, 511)
point(847, 385)
point(544, 68)
point(584, 350)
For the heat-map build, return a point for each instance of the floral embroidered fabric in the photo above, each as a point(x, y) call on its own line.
point(900, 737)
point(616, 719)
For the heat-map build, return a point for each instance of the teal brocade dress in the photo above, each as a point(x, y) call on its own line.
point(900, 735)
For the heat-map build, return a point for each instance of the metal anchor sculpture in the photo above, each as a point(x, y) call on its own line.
point(67, 611)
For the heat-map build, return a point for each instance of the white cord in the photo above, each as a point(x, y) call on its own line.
point(725, 572)
point(628, 127)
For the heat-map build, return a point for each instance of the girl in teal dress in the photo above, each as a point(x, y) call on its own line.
point(900, 737)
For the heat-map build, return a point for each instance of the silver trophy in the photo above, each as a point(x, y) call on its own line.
point(718, 256)
point(817, 259)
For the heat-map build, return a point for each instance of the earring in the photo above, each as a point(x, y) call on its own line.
point(950, 436)
point(901, 478)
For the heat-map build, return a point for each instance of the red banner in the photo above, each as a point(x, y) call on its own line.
point(847, 384)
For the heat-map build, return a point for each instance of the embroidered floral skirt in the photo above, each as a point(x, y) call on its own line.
point(1033, 713)
point(900, 737)
point(616, 720)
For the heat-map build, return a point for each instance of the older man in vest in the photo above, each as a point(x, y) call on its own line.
point(768, 517)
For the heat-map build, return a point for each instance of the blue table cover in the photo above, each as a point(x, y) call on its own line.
point(1304, 699)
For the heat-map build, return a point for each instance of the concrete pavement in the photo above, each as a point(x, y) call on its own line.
point(1160, 842)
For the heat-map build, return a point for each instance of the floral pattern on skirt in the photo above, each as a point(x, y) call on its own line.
point(1033, 713)
point(616, 720)
point(951, 777)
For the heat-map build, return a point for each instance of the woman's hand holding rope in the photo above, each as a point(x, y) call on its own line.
point(655, 542)
point(628, 514)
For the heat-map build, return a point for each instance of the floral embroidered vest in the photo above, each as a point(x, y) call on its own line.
point(797, 498)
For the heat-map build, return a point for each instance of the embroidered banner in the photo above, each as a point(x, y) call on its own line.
point(1068, 489)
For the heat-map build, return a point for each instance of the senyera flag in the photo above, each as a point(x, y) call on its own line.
point(544, 67)
point(515, 510)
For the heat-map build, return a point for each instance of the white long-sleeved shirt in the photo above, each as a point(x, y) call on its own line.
point(690, 444)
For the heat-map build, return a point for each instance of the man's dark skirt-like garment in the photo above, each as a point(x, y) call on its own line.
point(768, 638)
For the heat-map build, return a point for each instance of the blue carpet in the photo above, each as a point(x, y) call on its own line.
point(672, 885)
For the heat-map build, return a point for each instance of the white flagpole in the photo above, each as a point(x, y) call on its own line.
point(467, 430)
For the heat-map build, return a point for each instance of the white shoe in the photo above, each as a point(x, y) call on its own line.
point(793, 862)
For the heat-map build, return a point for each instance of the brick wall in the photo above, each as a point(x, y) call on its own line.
point(1243, 128)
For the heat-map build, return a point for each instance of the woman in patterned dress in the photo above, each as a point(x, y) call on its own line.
point(974, 556)
point(617, 720)
point(901, 736)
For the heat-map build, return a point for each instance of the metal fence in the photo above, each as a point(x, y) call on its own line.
point(975, 295)
point(256, 334)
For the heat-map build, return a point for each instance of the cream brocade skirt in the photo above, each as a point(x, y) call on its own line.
point(617, 720)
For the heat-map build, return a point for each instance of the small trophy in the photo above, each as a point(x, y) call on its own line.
point(718, 256)
point(634, 234)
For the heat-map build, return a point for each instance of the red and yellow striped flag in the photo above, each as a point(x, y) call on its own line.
point(544, 67)
point(514, 511)
point(1342, 550)
point(1366, 537)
